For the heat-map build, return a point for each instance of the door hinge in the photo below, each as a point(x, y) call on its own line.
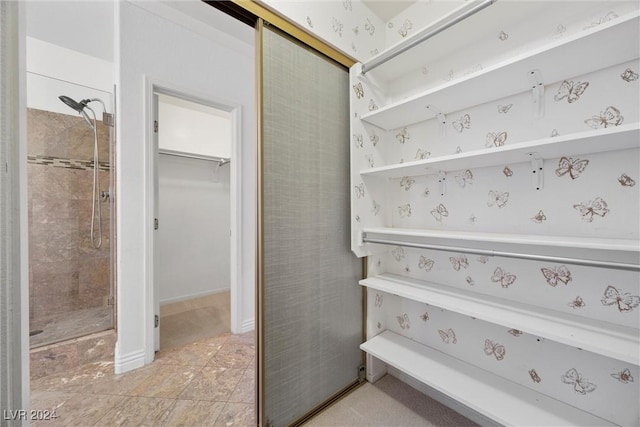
point(362, 373)
point(155, 126)
point(156, 223)
point(111, 301)
point(156, 321)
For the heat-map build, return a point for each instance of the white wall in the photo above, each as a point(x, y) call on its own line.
point(198, 60)
point(193, 128)
point(83, 26)
point(194, 232)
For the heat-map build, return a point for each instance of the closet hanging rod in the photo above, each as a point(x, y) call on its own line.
point(437, 27)
point(221, 160)
point(488, 252)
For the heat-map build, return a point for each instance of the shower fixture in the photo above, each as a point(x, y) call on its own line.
point(107, 119)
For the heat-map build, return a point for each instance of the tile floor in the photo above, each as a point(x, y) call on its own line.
point(64, 326)
point(208, 383)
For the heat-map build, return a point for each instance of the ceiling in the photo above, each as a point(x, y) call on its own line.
point(387, 9)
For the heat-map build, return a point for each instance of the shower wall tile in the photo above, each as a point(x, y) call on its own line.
point(66, 272)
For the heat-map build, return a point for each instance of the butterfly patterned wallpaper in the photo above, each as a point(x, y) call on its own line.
point(594, 195)
point(348, 25)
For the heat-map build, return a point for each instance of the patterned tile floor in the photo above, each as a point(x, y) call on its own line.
point(207, 383)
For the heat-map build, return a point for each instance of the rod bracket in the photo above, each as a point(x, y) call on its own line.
point(442, 180)
point(439, 116)
point(537, 170)
point(537, 91)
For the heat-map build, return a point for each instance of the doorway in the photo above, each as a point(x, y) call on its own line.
point(195, 209)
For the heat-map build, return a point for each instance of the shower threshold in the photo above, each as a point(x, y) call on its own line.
point(65, 326)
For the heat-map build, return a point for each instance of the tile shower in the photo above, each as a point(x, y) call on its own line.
point(70, 282)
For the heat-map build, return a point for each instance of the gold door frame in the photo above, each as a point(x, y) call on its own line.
point(270, 17)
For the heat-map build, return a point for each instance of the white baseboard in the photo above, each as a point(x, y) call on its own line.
point(128, 362)
point(442, 398)
point(191, 296)
point(248, 325)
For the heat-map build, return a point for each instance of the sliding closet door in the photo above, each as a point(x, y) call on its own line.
point(310, 300)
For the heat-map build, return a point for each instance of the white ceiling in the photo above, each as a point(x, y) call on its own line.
point(387, 9)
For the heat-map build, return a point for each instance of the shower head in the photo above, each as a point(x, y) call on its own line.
point(78, 106)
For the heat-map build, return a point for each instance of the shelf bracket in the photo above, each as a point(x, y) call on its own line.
point(442, 180)
point(537, 170)
point(440, 116)
point(537, 87)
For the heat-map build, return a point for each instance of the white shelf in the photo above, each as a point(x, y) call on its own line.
point(593, 141)
point(506, 402)
point(600, 252)
point(616, 41)
point(607, 339)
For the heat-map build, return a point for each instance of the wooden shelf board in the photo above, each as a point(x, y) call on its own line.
point(577, 144)
point(504, 401)
point(607, 339)
point(557, 61)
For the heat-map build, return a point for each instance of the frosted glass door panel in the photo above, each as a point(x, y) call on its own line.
point(312, 304)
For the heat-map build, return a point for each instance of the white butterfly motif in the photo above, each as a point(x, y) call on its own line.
point(556, 275)
point(369, 27)
point(379, 299)
point(609, 117)
point(504, 109)
point(606, 18)
point(580, 385)
point(540, 216)
point(376, 208)
point(439, 212)
point(357, 88)
point(359, 190)
point(534, 376)
point(404, 210)
point(448, 336)
point(503, 277)
point(398, 253)
point(404, 29)
point(425, 263)
point(624, 300)
point(402, 136)
point(483, 259)
point(626, 181)
point(591, 209)
point(372, 105)
point(458, 150)
point(406, 182)
point(573, 167)
point(374, 138)
point(507, 172)
point(459, 262)
point(403, 321)
point(491, 348)
point(470, 280)
point(357, 140)
point(623, 376)
point(370, 160)
point(496, 140)
point(577, 303)
point(571, 91)
point(629, 75)
point(422, 154)
point(503, 36)
point(462, 124)
point(464, 178)
point(337, 26)
point(425, 316)
point(498, 199)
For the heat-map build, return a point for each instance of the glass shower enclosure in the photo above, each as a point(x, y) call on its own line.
point(70, 218)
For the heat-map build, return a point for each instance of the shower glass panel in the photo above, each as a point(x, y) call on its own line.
point(70, 274)
point(311, 308)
